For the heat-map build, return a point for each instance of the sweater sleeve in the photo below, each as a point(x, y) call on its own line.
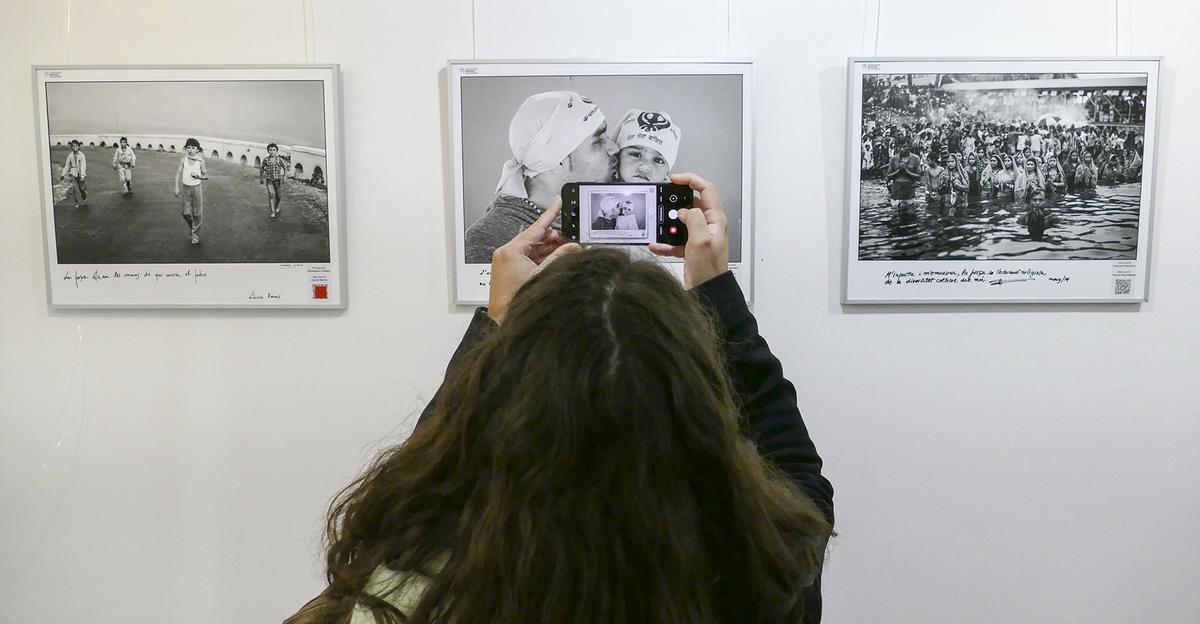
point(480, 326)
point(768, 399)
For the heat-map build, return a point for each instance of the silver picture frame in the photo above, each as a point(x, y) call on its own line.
point(126, 246)
point(710, 100)
point(1081, 242)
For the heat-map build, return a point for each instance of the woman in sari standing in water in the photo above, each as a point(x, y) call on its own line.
point(1005, 180)
point(1086, 174)
point(1133, 166)
point(987, 179)
point(960, 181)
point(974, 178)
point(1112, 167)
point(1030, 183)
point(1071, 165)
point(1056, 178)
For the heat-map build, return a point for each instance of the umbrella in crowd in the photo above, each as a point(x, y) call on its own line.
point(1048, 120)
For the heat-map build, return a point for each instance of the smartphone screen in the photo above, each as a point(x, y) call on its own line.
point(623, 214)
point(619, 213)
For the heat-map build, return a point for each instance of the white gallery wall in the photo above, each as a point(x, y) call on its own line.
point(992, 463)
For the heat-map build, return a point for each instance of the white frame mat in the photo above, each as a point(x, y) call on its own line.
point(650, 86)
point(298, 271)
point(1012, 270)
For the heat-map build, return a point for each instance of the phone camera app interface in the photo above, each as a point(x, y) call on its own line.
point(621, 215)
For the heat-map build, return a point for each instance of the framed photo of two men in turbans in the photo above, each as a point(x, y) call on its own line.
point(520, 130)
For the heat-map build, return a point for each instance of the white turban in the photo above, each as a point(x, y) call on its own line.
point(608, 207)
point(650, 129)
point(544, 131)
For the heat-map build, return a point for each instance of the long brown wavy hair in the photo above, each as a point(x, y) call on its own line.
point(583, 463)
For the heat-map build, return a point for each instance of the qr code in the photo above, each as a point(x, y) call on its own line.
point(1122, 286)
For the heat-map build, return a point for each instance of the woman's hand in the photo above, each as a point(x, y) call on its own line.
point(706, 254)
point(523, 257)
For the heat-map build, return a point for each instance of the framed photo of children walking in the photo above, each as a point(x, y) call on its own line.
point(192, 186)
point(1000, 180)
point(521, 129)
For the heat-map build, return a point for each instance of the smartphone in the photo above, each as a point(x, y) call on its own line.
point(619, 213)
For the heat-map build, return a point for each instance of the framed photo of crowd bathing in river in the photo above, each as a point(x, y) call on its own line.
point(1000, 180)
point(520, 130)
point(192, 186)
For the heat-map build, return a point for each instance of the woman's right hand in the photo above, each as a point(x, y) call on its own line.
point(706, 254)
point(526, 255)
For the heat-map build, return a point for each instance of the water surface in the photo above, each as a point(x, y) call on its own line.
point(1095, 225)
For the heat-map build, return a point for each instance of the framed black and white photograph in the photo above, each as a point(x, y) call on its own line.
point(520, 130)
point(1000, 180)
point(189, 186)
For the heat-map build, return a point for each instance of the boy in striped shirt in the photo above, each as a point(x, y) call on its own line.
point(272, 171)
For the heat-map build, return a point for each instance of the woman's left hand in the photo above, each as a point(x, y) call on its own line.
point(524, 256)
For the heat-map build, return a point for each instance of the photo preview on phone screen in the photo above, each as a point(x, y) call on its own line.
point(617, 215)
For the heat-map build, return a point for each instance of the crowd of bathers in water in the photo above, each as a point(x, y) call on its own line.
point(957, 162)
point(951, 167)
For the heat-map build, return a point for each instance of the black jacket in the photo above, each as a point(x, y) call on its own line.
point(768, 399)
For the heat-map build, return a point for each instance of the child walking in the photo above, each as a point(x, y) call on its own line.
point(75, 171)
point(124, 160)
point(192, 171)
point(272, 171)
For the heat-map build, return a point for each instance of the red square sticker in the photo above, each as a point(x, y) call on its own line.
point(320, 291)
